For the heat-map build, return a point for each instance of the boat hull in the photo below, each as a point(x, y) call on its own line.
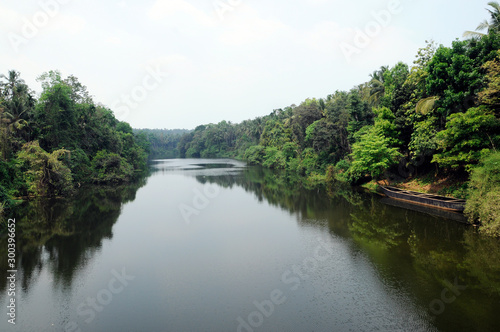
point(439, 202)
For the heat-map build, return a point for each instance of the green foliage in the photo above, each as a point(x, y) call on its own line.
point(309, 162)
point(275, 134)
point(455, 74)
point(254, 155)
point(217, 140)
point(80, 165)
point(310, 131)
point(110, 168)
point(426, 105)
point(160, 143)
point(55, 114)
point(124, 127)
point(47, 144)
point(16, 106)
point(483, 203)
point(466, 136)
point(5, 200)
point(46, 174)
point(65, 120)
point(319, 136)
point(394, 79)
point(385, 124)
point(11, 178)
point(491, 95)
point(372, 155)
point(423, 139)
point(290, 150)
point(447, 106)
point(274, 158)
point(341, 171)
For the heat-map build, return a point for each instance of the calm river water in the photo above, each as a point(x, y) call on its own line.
point(212, 245)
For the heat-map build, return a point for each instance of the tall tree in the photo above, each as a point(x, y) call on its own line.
point(18, 104)
point(377, 87)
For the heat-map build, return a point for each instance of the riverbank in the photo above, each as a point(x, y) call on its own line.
point(443, 185)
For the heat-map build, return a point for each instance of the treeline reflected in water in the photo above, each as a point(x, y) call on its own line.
point(62, 235)
point(418, 254)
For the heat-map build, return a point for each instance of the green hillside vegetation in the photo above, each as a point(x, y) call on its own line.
point(440, 116)
point(54, 143)
point(163, 142)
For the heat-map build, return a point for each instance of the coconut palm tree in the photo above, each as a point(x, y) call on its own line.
point(492, 26)
point(376, 84)
point(17, 102)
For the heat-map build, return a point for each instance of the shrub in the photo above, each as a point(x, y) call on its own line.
point(45, 173)
point(309, 162)
point(274, 158)
point(254, 155)
point(110, 168)
point(80, 165)
point(483, 203)
point(372, 155)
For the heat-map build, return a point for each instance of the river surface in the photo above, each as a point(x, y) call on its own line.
point(213, 245)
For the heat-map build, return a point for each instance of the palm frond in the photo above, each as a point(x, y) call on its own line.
point(473, 34)
point(483, 26)
point(426, 105)
point(495, 5)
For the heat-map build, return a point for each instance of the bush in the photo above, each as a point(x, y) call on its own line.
point(254, 155)
point(465, 138)
point(274, 158)
point(290, 150)
point(483, 203)
point(4, 199)
point(11, 178)
point(372, 155)
point(80, 165)
point(309, 162)
point(110, 168)
point(45, 173)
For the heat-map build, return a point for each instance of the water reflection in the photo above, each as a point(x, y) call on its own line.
point(417, 253)
point(62, 235)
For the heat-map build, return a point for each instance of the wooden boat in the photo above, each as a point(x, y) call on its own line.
point(429, 210)
point(441, 202)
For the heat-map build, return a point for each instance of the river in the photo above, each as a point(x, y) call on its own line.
point(214, 245)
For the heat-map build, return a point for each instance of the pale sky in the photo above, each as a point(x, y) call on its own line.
point(181, 63)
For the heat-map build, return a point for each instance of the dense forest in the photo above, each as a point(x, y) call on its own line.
point(163, 142)
point(57, 142)
point(438, 118)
